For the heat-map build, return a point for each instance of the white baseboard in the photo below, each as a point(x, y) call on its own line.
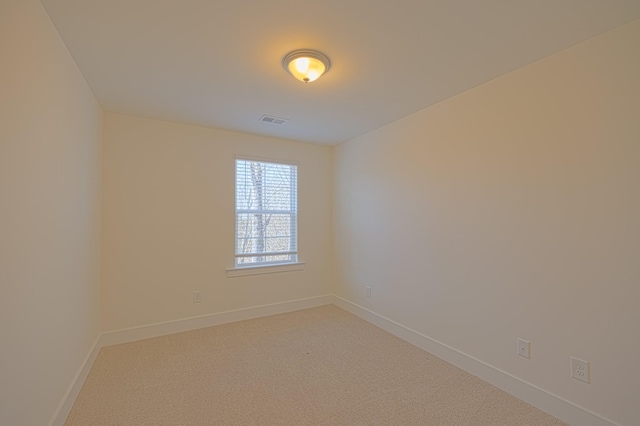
point(539, 398)
point(162, 329)
point(61, 413)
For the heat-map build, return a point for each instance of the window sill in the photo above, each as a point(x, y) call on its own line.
point(264, 269)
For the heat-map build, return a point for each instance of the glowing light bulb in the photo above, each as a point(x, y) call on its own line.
point(302, 65)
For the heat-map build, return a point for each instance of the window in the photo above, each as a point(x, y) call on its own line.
point(266, 213)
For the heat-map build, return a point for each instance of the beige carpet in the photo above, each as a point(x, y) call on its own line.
point(320, 366)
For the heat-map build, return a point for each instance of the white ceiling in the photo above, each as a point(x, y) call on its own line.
point(218, 63)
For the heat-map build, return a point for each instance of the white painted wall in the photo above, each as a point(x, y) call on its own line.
point(50, 208)
point(511, 210)
point(169, 222)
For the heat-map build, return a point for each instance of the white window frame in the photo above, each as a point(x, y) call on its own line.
point(266, 267)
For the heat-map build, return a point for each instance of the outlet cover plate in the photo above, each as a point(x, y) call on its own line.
point(580, 370)
point(523, 348)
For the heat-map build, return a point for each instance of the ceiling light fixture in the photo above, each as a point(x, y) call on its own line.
point(306, 65)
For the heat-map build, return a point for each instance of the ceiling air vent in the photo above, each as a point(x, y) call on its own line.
point(273, 120)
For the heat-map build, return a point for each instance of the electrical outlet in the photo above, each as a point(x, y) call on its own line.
point(580, 370)
point(197, 296)
point(368, 291)
point(523, 348)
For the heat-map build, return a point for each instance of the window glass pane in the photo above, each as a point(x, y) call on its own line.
point(266, 212)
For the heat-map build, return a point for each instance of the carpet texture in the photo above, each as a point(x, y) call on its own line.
point(320, 366)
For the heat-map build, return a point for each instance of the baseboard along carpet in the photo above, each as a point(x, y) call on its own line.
point(318, 366)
